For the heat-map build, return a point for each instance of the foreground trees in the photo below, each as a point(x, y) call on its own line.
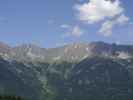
point(10, 98)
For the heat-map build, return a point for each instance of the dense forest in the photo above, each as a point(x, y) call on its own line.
point(10, 98)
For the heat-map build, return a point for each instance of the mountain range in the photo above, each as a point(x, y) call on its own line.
point(78, 71)
point(70, 52)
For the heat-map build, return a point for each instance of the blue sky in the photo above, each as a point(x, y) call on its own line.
point(51, 23)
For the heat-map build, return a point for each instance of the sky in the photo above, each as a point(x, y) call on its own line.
point(51, 23)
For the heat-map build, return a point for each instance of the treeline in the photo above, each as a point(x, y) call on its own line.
point(10, 98)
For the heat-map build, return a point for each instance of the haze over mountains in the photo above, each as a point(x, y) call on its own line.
point(79, 71)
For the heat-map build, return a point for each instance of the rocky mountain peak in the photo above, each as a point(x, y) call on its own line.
point(4, 48)
point(70, 52)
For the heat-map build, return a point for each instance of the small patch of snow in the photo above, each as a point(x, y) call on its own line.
point(75, 46)
point(33, 55)
point(123, 55)
point(57, 58)
point(87, 49)
point(85, 56)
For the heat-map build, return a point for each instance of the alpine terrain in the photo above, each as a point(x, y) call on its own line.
point(78, 71)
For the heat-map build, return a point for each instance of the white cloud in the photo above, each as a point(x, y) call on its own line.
point(75, 31)
point(122, 19)
point(65, 26)
point(107, 27)
point(110, 12)
point(98, 10)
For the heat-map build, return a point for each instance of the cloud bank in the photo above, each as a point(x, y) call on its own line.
point(110, 12)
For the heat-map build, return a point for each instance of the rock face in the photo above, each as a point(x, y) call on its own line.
point(4, 48)
point(70, 53)
point(93, 71)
